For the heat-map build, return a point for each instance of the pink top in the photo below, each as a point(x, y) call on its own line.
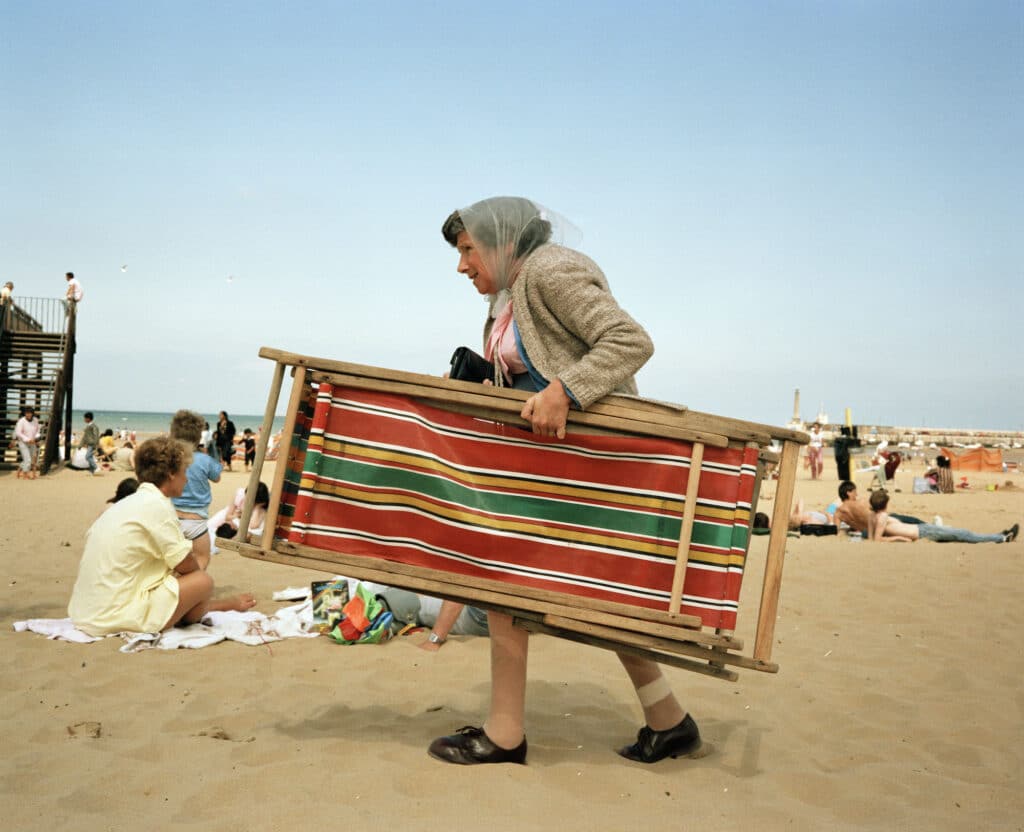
point(501, 346)
point(25, 430)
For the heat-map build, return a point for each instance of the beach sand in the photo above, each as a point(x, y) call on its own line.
point(898, 704)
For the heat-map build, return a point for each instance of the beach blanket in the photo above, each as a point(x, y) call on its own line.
point(389, 477)
point(251, 628)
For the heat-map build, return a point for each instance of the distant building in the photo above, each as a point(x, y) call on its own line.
point(796, 423)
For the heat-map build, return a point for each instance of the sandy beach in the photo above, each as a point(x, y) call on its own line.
point(897, 705)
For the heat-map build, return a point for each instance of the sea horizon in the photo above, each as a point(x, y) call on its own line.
point(147, 421)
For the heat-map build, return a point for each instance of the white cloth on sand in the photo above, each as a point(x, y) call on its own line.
point(59, 628)
point(250, 627)
point(293, 593)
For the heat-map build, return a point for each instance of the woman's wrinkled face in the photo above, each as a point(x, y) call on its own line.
point(471, 264)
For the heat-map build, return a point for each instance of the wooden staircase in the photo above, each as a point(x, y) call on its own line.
point(36, 365)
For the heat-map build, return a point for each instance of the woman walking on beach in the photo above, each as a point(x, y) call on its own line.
point(26, 431)
point(225, 438)
point(815, 451)
point(554, 329)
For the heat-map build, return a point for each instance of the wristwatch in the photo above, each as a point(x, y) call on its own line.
point(434, 638)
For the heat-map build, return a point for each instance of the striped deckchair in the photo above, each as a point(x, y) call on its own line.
point(632, 533)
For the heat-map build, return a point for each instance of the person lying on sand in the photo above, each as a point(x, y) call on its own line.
point(443, 618)
point(226, 522)
point(800, 516)
point(883, 528)
point(138, 573)
point(856, 514)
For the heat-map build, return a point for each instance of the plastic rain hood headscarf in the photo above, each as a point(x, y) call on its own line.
point(506, 229)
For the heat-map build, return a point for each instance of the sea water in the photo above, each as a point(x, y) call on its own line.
point(145, 422)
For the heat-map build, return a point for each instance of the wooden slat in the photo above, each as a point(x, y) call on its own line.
point(649, 642)
point(758, 479)
point(686, 532)
point(637, 407)
point(507, 410)
point(298, 385)
point(614, 607)
point(674, 640)
point(261, 450)
point(662, 658)
point(495, 593)
point(776, 552)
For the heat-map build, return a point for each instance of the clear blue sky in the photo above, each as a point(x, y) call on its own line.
point(827, 195)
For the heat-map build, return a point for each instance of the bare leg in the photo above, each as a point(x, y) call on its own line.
point(509, 646)
point(201, 550)
point(663, 713)
point(194, 599)
point(670, 731)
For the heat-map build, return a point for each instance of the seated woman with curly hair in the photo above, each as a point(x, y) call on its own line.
point(138, 573)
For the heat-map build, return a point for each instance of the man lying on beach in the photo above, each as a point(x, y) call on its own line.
point(884, 528)
point(856, 514)
point(138, 573)
point(799, 517)
point(443, 618)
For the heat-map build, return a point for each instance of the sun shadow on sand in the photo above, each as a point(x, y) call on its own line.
point(18, 612)
point(743, 739)
point(565, 723)
point(366, 723)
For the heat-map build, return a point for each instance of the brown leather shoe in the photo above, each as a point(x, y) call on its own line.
point(469, 746)
point(682, 740)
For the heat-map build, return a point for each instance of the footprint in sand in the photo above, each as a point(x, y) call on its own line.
point(92, 730)
point(218, 733)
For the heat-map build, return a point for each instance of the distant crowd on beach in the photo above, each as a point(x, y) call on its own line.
point(873, 519)
point(98, 451)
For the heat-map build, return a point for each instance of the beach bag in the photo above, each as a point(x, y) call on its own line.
point(818, 529)
point(364, 620)
point(78, 459)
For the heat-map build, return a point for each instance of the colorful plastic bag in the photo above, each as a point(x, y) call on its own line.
point(365, 620)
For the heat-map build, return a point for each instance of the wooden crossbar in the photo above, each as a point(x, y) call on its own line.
point(772, 582)
point(686, 532)
point(670, 415)
point(506, 408)
point(274, 509)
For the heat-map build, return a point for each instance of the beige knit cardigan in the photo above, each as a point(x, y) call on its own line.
point(572, 328)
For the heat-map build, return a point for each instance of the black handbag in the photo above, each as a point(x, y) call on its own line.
point(470, 366)
point(818, 529)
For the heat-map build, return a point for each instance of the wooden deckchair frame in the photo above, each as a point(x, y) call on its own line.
point(670, 637)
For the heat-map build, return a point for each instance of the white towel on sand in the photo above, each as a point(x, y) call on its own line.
point(246, 627)
point(60, 628)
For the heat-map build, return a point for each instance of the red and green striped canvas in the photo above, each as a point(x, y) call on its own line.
point(597, 516)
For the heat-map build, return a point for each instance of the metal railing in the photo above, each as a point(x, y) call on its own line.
point(23, 314)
